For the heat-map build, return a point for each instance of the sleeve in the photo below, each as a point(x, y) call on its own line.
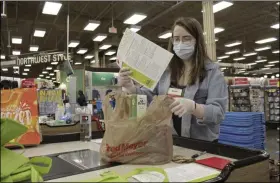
point(215, 106)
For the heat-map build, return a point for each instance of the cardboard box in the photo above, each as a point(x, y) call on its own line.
point(138, 105)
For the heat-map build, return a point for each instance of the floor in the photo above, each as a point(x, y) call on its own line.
point(272, 146)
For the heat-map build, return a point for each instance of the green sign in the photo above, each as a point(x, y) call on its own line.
point(102, 79)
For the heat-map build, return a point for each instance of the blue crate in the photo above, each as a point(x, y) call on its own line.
point(250, 146)
point(246, 139)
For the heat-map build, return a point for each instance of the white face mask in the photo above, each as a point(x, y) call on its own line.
point(184, 50)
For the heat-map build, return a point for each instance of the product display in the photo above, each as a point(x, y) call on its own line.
point(272, 97)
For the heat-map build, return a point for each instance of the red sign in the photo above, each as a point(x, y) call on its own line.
point(241, 81)
point(273, 82)
point(28, 83)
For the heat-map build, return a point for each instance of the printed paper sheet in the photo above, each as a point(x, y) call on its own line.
point(146, 60)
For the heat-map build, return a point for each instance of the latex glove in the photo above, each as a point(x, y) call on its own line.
point(125, 81)
point(180, 106)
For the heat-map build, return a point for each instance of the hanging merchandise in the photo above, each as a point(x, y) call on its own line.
point(21, 105)
point(49, 101)
point(272, 98)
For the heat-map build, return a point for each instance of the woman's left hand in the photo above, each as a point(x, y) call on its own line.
point(180, 106)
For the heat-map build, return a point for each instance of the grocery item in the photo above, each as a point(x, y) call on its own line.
point(138, 105)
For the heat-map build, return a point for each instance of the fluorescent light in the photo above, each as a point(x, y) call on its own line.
point(240, 58)
point(4, 69)
point(219, 60)
point(113, 58)
point(16, 40)
point(100, 37)
point(254, 74)
point(275, 51)
point(49, 68)
point(223, 57)
point(222, 68)
point(33, 48)
point(26, 70)
point(38, 78)
point(275, 26)
point(54, 63)
point(56, 70)
point(73, 44)
point(272, 77)
point(263, 48)
point(218, 30)
point(249, 54)
point(265, 76)
point(274, 62)
point(82, 51)
point(78, 63)
point(48, 77)
point(232, 52)
point(3, 56)
point(245, 73)
point(15, 67)
point(270, 65)
point(53, 78)
point(165, 35)
point(24, 73)
point(105, 46)
point(260, 61)
point(41, 75)
point(27, 65)
point(216, 39)
point(51, 74)
point(264, 68)
point(135, 28)
point(252, 64)
point(93, 61)
point(235, 43)
point(45, 72)
point(89, 56)
point(39, 33)
point(16, 52)
point(267, 40)
point(51, 8)
point(112, 52)
point(92, 25)
point(277, 75)
point(278, 3)
point(135, 18)
point(221, 5)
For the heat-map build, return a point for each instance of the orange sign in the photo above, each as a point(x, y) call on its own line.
point(21, 105)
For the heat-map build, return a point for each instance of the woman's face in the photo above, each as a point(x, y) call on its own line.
point(180, 34)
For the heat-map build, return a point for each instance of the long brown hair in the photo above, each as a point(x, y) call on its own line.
point(199, 57)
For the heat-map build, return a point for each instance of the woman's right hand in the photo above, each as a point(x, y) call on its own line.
point(125, 81)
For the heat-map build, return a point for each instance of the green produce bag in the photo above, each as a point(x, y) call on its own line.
point(16, 167)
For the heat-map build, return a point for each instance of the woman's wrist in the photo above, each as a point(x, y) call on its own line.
point(198, 110)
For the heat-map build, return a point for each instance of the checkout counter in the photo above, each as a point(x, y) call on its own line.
point(76, 161)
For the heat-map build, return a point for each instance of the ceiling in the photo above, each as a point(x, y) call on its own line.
point(244, 21)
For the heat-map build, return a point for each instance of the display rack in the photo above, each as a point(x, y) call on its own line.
point(272, 107)
point(246, 98)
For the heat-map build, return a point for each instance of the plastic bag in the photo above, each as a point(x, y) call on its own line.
point(145, 140)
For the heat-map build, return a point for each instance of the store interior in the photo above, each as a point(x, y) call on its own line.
point(59, 64)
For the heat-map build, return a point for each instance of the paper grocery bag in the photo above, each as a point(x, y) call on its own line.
point(145, 140)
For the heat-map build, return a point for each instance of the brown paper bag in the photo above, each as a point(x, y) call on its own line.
point(145, 140)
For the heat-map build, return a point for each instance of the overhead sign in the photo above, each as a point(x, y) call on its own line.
point(235, 65)
point(241, 81)
point(273, 82)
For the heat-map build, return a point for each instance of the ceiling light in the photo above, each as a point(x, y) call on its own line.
point(277, 75)
point(51, 74)
point(165, 35)
point(38, 78)
point(272, 77)
point(254, 74)
point(263, 48)
point(221, 5)
point(267, 40)
point(54, 63)
point(113, 58)
point(270, 65)
point(51, 8)
point(82, 51)
point(53, 78)
point(252, 64)
point(275, 26)
point(110, 52)
point(216, 39)
point(73, 44)
point(218, 30)
point(260, 61)
point(39, 33)
point(274, 62)
point(16, 40)
point(240, 58)
point(26, 70)
point(56, 70)
point(223, 57)
point(15, 67)
point(232, 52)
point(100, 37)
point(33, 48)
point(4, 69)
point(134, 19)
point(49, 68)
point(278, 3)
point(264, 68)
point(249, 54)
point(275, 51)
point(89, 56)
point(135, 28)
point(235, 43)
point(92, 25)
point(105, 46)
point(265, 76)
point(16, 52)
point(41, 75)
point(3, 56)
point(24, 73)
point(245, 73)
point(219, 60)
point(48, 77)
point(45, 72)
point(78, 63)
point(27, 65)
point(93, 61)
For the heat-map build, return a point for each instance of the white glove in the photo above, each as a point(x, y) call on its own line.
point(180, 106)
point(125, 81)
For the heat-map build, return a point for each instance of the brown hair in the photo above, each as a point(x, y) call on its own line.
point(199, 57)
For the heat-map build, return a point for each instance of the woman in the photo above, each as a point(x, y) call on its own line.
point(201, 107)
